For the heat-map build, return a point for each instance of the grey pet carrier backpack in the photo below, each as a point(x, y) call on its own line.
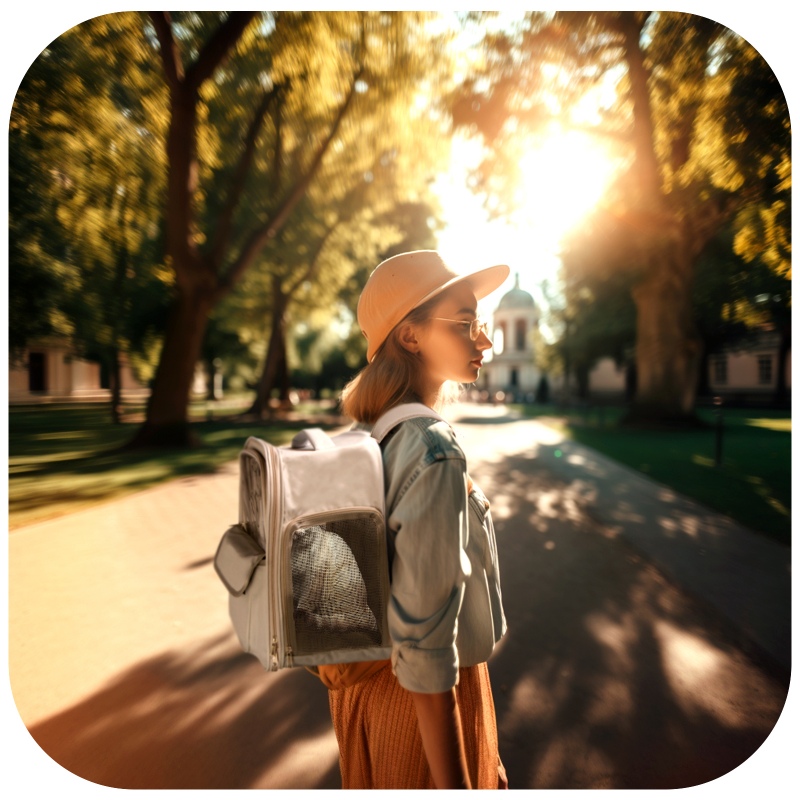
point(306, 566)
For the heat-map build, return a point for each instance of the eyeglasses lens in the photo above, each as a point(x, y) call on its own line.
point(477, 327)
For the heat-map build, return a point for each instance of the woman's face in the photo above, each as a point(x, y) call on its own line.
point(445, 349)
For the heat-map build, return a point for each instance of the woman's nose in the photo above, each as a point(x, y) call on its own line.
point(483, 342)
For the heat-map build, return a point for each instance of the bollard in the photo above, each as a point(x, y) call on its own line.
point(718, 437)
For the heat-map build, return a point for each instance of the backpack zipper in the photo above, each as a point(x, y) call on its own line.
point(274, 559)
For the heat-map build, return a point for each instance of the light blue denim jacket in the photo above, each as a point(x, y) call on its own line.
point(446, 607)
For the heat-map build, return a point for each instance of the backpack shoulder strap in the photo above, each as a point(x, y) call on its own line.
point(388, 421)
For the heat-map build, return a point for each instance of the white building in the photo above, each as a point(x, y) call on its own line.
point(512, 369)
point(744, 372)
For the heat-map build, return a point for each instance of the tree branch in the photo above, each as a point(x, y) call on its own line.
point(302, 185)
point(170, 54)
point(684, 132)
point(313, 263)
point(268, 230)
point(277, 155)
point(225, 225)
point(643, 133)
point(217, 47)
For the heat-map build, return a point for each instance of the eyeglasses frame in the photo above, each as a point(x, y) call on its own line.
point(481, 326)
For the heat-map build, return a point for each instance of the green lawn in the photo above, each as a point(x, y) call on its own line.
point(752, 485)
point(63, 457)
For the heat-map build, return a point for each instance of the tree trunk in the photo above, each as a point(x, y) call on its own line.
point(630, 382)
point(582, 381)
point(667, 346)
point(212, 369)
point(167, 411)
point(781, 392)
point(116, 388)
point(284, 377)
point(703, 382)
point(276, 350)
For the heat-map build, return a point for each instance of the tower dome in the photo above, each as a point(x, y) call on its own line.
point(516, 297)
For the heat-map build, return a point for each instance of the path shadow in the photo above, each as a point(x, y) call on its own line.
point(206, 718)
point(706, 553)
point(609, 677)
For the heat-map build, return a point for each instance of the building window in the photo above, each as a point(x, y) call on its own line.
point(520, 332)
point(765, 370)
point(719, 373)
point(499, 338)
point(37, 372)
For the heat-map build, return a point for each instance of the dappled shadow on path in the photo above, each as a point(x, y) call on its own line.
point(609, 676)
point(207, 718)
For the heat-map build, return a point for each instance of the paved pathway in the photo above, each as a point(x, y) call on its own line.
point(648, 643)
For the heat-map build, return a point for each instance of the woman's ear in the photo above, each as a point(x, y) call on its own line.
point(407, 336)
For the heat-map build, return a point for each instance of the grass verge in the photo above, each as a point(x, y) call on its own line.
point(752, 484)
point(63, 458)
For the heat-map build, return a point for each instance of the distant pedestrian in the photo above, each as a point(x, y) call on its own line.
point(426, 719)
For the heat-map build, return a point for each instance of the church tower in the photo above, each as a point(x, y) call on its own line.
point(511, 369)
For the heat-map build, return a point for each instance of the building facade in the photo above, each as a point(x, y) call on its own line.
point(749, 371)
point(512, 369)
point(49, 369)
point(746, 372)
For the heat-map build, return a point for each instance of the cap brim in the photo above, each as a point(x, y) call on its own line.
point(482, 282)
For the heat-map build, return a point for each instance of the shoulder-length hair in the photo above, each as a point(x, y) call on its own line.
point(392, 377)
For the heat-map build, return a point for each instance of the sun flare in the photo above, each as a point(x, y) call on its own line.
point(561, 179)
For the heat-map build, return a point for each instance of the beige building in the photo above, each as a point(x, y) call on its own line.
point(607, 377)
point(750, 370)
point(49, 370)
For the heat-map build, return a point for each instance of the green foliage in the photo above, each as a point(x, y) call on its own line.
point(89, 167)
point(86, 198)
point(700, 128)
point(376, 170)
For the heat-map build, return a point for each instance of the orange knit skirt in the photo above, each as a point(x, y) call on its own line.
point(379, 741)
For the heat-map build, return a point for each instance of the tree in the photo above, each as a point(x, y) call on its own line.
point(85, 204)
point(282, 69)
point(325, 342)
point(595, 313)
point(706, 126)
point(356, 212)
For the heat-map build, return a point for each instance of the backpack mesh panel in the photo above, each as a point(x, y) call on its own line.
point(338, 601)
point(252, 499)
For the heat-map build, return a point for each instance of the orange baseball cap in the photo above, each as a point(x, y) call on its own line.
point(401, 283)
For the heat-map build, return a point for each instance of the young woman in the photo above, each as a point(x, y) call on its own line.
point(426, 719)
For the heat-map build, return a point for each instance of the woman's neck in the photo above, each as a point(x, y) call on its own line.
point(432, 396)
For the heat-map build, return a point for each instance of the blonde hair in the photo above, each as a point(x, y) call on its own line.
point(392, 377)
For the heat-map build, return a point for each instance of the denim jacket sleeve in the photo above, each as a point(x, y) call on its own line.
point(427, 515)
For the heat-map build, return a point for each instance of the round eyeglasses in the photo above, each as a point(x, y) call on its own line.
point(477, 326)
